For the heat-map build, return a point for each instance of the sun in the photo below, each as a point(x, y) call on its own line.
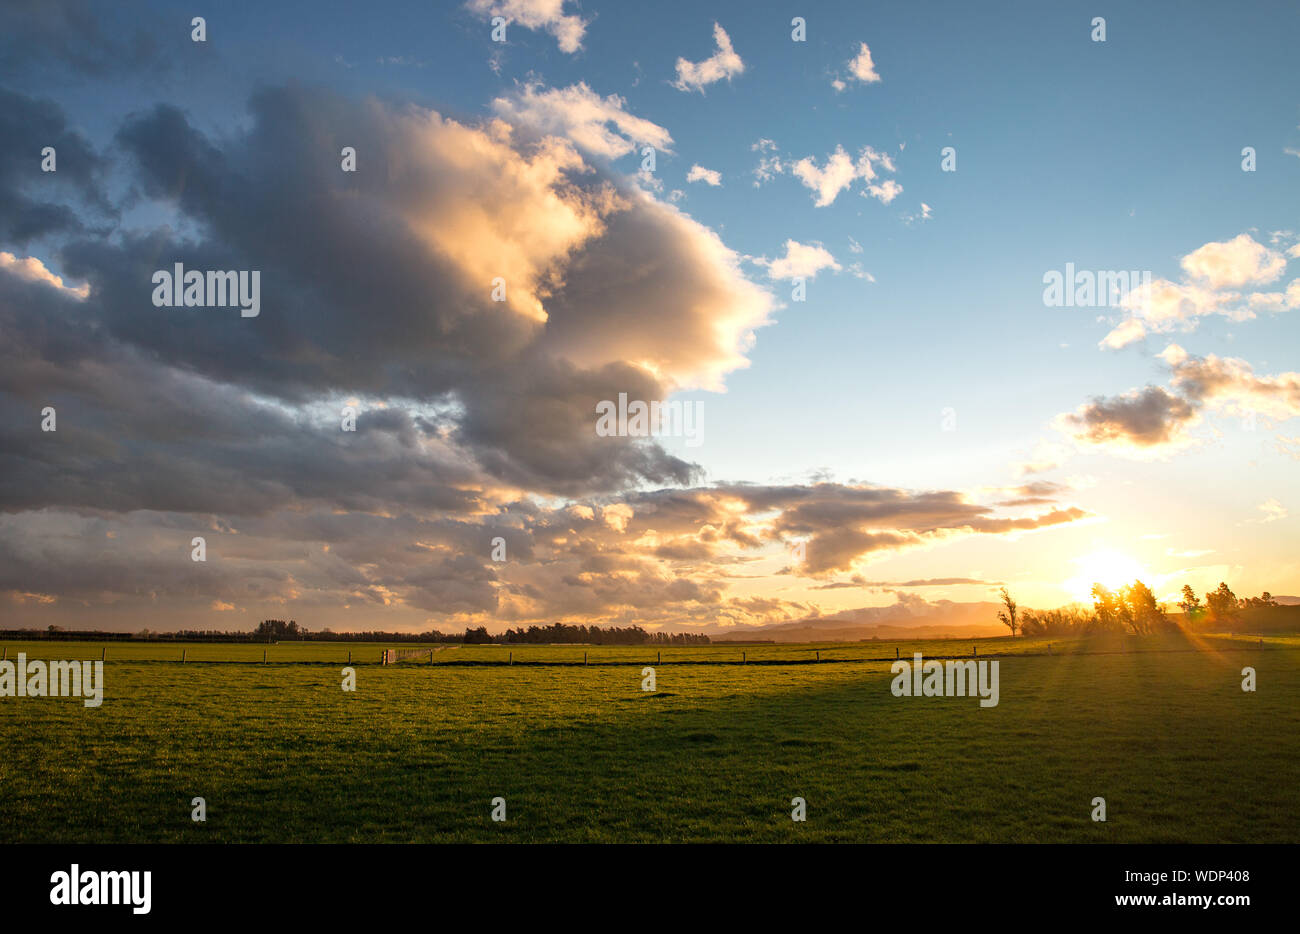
point(1112, 569)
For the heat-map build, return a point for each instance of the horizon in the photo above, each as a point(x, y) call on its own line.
point(661, 318)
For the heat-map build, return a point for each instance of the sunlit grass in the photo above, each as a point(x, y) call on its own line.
point(1171, 741)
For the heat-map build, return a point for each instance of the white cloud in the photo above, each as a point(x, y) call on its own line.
point(769, 162)
point(801, 259)
point(1278, 301)
point(829, 180)
point(860, 273)
point(862, 68)
point(885, 192)
point(1273, 510)
point(1233, 263)
point(1210, 273)
point(838, 173)
point(1125, 333)
point(699, 173)
point(598, 125)
point(724, 63)
point(544, 15)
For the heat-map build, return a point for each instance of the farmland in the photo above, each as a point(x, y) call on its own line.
point(1159, 727)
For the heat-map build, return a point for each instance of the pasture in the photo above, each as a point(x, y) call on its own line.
point(1158, 727)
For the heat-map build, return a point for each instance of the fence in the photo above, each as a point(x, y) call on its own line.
point(393, 656)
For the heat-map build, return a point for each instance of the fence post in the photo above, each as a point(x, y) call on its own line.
point(103, 656)
point(659, 656)
point(974, 650)
point(182, 656)
point(512, 657)
point(584, 658)
point(744, 658)
point(819, 655)
point(895, 651)
point(263, 656)
point(6, 653)
point(349, 656)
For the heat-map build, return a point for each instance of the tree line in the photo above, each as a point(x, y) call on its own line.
point(279, 630)
point(1132, 610)
point(594, 635)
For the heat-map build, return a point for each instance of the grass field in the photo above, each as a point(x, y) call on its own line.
point(281, 753)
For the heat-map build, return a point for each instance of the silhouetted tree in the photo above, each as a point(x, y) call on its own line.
point(1221, 604)
point(1008, 616)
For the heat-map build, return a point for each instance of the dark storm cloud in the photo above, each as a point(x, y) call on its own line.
point(35, 203)
point(78, 38)
point(380, 282)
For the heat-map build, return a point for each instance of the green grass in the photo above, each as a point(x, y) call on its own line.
point(1171, 741)
point(722, 652)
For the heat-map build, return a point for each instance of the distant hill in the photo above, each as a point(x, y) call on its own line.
point(914, 620)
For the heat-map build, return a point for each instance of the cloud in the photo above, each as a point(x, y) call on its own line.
point(33, 270)
point(1125, 333)
point(55, 38)
point(885, 192)
point(1234, 262)
point(597, 125)
point(858, 582)
point(801, 260)
point(844, 525)
point(700, 174)
point(377, 286)
point(1273, 510)
point(1045, 456)
point(1145, 420)
point(840, 171)
point(544, 15)
point(724, 63)
point(1155, 420)
point(829, 180)
point(1231, 384)
point(34, 203)
point(1212, 272)
point(861, 67)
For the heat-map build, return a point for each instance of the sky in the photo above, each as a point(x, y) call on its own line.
point(827, 231)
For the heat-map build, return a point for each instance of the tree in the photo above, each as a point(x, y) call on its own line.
point(1141, 612)
point(1108, 609)
point(1190, 604)
point(1008, 616)
point(1221, 604)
